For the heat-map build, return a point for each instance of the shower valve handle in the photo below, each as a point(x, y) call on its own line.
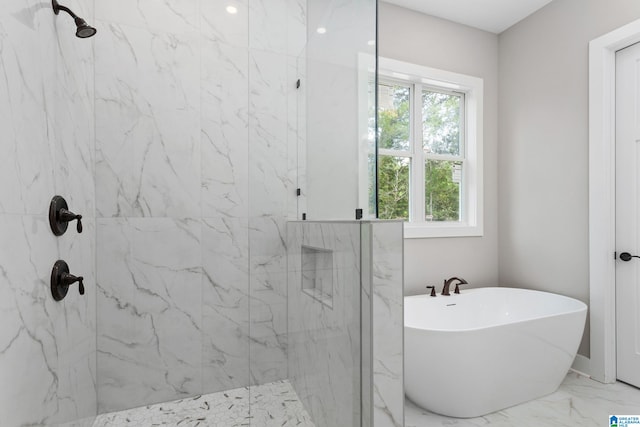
point(61, 279)
point(60, 216)
point(68, 216)
point(67, 279)
point(626, 256)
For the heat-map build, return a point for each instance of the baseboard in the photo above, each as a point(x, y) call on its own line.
point(582, 365)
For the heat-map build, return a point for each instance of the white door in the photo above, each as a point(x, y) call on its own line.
point(628, 214)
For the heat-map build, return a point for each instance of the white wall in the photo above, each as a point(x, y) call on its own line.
point(425, 40)
point(543, 151)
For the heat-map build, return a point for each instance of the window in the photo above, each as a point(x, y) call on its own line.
point(429, 150)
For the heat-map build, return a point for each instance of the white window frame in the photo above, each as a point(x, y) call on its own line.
point(471, 223)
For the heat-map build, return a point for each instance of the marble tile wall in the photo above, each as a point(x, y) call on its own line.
point(324, 340)
point(174, 132)
point(351, 350)
point(196, 148)
point(47, 348)
point(387, 330)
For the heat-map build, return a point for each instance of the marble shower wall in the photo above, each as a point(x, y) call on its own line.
point(196, 139)
point(385, 282)
point(47, 348)
point(324, 323)
point(346, 327)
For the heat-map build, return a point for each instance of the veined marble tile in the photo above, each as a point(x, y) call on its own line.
point(28, 349)
point(324, 339)
point(225, 304)
point(70, 117)
point(388, 323)
point(268, 331)
point(26, 171)
point(75, 328)
point(272, 405)
point(278, 26)
point(268, 299)
point(218, 24)
point(176, 16)
point(225, 132)
point(268, 177)
point(296, 27)
point(47, 348)
point(366, 325)
point(267, 25)
point(149, 311)
point(579, 401)
point(147, 140)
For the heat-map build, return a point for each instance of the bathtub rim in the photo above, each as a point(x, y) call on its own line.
point(582, 308)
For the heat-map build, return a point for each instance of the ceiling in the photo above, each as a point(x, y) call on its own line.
point(489, 15)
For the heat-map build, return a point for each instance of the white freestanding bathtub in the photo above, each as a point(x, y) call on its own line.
point(486, 349)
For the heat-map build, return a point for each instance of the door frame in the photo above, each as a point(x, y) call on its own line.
point(602, 168)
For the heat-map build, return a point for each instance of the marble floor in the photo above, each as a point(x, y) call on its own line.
point(579, 401)
point(273, 404)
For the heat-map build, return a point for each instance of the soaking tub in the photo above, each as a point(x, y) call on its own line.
point(487, 349)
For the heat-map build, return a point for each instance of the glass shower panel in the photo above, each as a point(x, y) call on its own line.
point(311, 70)
point(277, 37)
point(339, 122)
point(171, 142)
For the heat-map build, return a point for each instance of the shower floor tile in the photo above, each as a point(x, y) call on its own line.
point(579, 401)
point(273, 404)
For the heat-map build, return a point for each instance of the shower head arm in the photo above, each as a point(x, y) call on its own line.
point(58, 7)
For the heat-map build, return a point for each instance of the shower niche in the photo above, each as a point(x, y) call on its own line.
point(317, 274)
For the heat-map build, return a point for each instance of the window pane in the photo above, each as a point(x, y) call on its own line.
point(441, 123)
point(393, 187)
point(443, 183)
point(393, 116)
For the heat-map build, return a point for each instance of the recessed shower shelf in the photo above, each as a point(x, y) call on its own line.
point(317, 274)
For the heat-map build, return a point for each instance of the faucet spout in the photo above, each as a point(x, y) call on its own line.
point(448, 282)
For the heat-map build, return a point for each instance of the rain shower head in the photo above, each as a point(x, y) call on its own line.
point(83, 29)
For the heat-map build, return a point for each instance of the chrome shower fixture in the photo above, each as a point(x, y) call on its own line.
point(83, 29)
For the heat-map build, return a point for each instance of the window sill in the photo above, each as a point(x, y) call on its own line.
point(425, 230)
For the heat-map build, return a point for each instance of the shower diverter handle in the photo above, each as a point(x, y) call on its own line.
point(626, 256)
point(68, 216)
point(60, 216)
point(61, 279)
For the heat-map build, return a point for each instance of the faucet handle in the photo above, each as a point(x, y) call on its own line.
point(433, 290)
point(67, 279)
point(461, 281)
point(445, 286)
point(61, 279)
point(60, 216)
point(68, 216)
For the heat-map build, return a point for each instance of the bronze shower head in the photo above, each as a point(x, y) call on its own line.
point(83, 30)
